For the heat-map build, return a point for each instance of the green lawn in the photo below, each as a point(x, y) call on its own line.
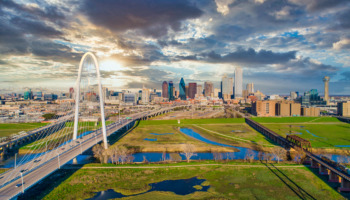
point(8, 129)
point(294, 119)
point(226, 182)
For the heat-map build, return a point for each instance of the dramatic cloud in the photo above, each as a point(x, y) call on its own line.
point(250, 56)
point(143, 42)
point(152, 17)
point(342, 44)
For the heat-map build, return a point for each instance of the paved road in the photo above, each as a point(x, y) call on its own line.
point(39, 170)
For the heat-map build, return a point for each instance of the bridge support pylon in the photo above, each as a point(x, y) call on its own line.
point(77, 99)
point(333, 177)
point(345, 185)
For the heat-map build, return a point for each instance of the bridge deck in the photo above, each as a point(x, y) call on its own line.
point(38, 171)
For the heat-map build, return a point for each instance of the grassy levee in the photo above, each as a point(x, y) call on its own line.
point(324, 133)
point(225, 181)
point(12, 128)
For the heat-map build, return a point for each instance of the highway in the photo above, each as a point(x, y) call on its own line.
point(37, 130)
point(49, 162)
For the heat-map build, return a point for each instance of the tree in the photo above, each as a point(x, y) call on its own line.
point(49, 116)
point(188, 150)
point(175, 157)
point(249, 155)
point(98, 151)
point(279, 153)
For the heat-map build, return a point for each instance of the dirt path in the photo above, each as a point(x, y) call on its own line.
point(177, 166)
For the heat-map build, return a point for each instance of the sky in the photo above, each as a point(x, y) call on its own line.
point(281, 45)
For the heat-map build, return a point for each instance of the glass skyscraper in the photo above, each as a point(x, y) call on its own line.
point(182, 88)
point(171, 91)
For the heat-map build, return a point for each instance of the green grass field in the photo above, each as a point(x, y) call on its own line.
point(322, 132)
point(226, 182)
point(233, 133)
point(169, 142)
point(8, 129)
point(218, 130)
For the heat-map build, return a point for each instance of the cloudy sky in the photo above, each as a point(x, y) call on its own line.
point(282, 46)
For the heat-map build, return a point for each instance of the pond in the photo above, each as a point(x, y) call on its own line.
point(237, 155)
point(179, 187)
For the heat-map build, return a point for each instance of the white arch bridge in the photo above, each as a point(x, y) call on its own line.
point(36, 168)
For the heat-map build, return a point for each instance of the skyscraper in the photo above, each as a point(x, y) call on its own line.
point(165, 90)
point(145, 95)
point(238, 82)
point(326, 91)
point(227, 87)
point(182, 89)
point(171, 91)
point(71, 92)
point(250, 87)
point(192, 90)
point(208, 89)
point(199, 90)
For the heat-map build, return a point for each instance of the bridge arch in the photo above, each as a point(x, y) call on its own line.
point(77, 99)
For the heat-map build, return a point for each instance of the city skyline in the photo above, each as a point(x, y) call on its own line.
point(285, 47)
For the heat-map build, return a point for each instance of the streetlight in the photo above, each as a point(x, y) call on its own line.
point(95, 137)
point(59, 163)
point(81, 149)
point(15, 160)
point(22, 182)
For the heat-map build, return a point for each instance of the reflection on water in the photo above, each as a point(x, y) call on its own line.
point(179, 187)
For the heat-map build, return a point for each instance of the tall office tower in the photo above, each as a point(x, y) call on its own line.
point(208, 89)
point(199, 90)
point(186, 89)
point(227, 87)
point(293, 95)
point(326, 91)
point(145, 95)
point(216, 92)
point(192, 90)
point(71, 92)
point(182, 89)
point(165, 90)
point(105, 93)
point(250, 87)
point(238, 82)
point(171, 91)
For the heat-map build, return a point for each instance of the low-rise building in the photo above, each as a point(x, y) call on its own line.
point(310, 112)
point(343, 109)
point(264, 108)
